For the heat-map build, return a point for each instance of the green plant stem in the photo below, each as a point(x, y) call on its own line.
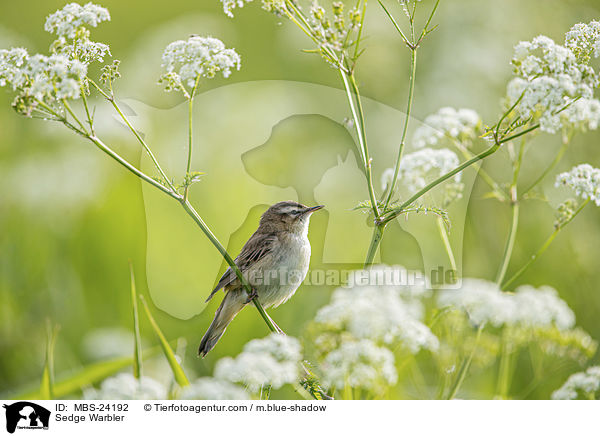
point(106, 149)
point(411, 90)
point(359, 125)
point(190, 135)
point(137, 346)
point(544, 247)
point(378, 230)
point(446, 240)
point(505, 369)
point(141, 140)
point(510, 243)
point(441, 179)
point(547, 171)
point(464, 368)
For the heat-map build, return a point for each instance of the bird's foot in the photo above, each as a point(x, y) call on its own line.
point(253, 295)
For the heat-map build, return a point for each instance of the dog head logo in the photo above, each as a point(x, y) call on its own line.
point(26, 415)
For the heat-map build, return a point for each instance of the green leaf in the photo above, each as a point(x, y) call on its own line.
point(46, 388)
point(137, 346)
point(178, 372)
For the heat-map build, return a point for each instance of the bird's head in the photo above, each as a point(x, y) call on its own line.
point(287, 216)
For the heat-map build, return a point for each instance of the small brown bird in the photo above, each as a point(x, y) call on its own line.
point(274, 261)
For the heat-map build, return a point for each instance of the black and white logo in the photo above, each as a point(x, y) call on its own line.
point(26, 415)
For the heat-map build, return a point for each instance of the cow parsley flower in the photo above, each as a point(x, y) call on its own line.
point(584, 40)
point(273, 361)
point(197, 57)
point(527, 307)
point(581, 385)
point(71, 19)
point(209, 388)
point(584, 180)
point(549, 79)
point(126, 387)
point(229, 5)
point(361, 365)
point(461, 125)
point(421, 167)
point(378, 313)
point(83, 50)
point(12, 63)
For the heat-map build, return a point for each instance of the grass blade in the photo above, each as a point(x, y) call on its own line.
point(178, 373)
point(74, 382)
point(137, 346)
point(46, 386)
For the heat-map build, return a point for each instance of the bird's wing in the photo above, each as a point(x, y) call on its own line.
point(257, 247)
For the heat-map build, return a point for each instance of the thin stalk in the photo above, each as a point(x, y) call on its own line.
point(547, 171)
point(87, 110)
point(106, 149)
point(190, 135)
point(510, 243)
point(357, 114)
point(411, 90)
point(68, 108)
point(505, 369)
point(544, 247)
point(141, 140)
point(441, 179)
point(512, 234)
point(464, 368)
point(446, 240)
point(378, 230)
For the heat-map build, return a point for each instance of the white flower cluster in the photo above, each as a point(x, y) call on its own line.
point(581, 385)
point(484, 302)
point(188, 61)
point(584, 180)
point(125, 386)
point(209, 388)
point(421, 167)
point(549, 78)
point(274, 6)
point(458, 124)
point(45, 78)
point(584, 40)
point(229, 5)
point(272, 361)
point(360, 364)
point(386, 313)
point(68, 21)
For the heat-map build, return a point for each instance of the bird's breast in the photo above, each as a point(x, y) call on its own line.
point(286, 270)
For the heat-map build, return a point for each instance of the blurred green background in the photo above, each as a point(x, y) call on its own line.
point(70, 219)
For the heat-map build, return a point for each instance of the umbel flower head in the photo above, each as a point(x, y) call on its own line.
point(584, 180)
point(485, 303)
point(40, 79)
point(584, 40)
point(456, 124)
point(385, 313)
point(186, 62)
point(126, 387)
point(73, 18)
point(272, 361)
point(210, 388)
point(581, 385)
point(359, 365)
point(419, 168)
point(554, 84)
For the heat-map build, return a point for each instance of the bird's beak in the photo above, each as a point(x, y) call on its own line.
point(313, 209)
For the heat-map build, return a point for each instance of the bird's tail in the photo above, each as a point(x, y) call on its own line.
point(229, 308)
